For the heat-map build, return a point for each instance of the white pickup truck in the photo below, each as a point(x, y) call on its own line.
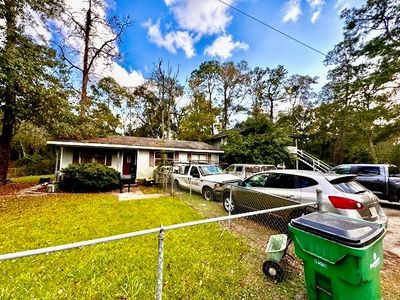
point(205, 179)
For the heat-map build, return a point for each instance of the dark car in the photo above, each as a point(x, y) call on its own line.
point(382, 179)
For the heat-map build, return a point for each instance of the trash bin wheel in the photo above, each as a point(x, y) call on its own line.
point(273, 270)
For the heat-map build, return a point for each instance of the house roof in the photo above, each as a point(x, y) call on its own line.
point(139, 143)
point(225, 134)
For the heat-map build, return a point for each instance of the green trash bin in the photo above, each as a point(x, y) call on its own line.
point(342, 256)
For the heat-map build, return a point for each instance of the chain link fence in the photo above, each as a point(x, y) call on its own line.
point(220, 255)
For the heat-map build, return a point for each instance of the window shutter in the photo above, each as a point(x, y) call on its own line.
point(176, 156)
point(189, 156)
point(209, 158)
point(151, 158)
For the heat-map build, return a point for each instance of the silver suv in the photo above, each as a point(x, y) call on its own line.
point(340, 193)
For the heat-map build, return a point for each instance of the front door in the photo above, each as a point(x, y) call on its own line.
point(129, 163)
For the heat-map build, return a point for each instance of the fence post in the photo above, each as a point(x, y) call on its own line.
point(230, 198)
point(160, 264)
point(319, 199)
point(190, 187)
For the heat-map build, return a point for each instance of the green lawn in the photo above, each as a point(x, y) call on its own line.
point(31, 178)
point(203, 262)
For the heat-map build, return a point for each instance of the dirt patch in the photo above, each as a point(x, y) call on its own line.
point(12, 189)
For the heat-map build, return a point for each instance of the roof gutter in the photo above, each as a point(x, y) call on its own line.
point(120, 146)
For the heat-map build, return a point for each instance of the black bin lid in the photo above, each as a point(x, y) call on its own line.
point(344, 230)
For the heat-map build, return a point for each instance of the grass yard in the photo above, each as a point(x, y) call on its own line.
point(31, 178)
point(203, 262)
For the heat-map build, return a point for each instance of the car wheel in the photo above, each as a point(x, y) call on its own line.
point(208, 194)
point(175, 185)
point(273, 271)
point(228, 203)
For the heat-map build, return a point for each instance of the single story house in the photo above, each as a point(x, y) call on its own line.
point(133, 157)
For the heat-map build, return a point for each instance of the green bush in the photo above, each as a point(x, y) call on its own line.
point(89, 177)
point(36, 164)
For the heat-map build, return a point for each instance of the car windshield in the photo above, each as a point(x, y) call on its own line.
point(210, 170)
point(350, 187)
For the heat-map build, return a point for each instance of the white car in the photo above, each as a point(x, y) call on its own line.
point(205, 179)
point(340, 193)
point(245, 170)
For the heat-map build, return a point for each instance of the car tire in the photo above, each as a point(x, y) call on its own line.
point(273, 271)
point(175, 185)
point(228, 203)
point(208, 194)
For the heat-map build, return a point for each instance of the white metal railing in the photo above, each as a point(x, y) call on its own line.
point(310, 160)
point(160, 230)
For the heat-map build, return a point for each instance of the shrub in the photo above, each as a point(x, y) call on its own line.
point(36, 164)
point(91, 177)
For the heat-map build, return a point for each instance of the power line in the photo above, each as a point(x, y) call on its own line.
point(272, 28)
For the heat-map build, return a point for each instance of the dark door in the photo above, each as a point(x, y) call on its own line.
point(129, 164)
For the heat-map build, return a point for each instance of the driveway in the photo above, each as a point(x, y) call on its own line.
point(391, 242)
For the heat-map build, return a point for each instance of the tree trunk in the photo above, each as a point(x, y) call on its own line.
point(371, 147)
point(271, 110)
point(6, 136)
point(10, 94)
point(85, 67)
point(225, 112)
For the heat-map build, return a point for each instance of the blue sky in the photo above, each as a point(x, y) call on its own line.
point(188, 32)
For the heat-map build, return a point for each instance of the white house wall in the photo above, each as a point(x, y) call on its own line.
point(66, 157)
point(144, 170)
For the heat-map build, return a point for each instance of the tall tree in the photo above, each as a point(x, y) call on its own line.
point(198, 119)
point(88, 36)
point(233, 87)
point(268, 88)
point(299, 90)
point(26, 71)
point(156, 103)
point(204, 80)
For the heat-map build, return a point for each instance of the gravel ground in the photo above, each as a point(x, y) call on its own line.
point(391, 242)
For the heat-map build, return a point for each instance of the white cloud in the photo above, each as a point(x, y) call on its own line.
point(315, 16)
point(205, 17)
point(102, 67)
point(35, 28)
point(224, 46)
point(315, 3)
point(171, 41)
point(292, 11)
point(316, 7)
point(125, 78)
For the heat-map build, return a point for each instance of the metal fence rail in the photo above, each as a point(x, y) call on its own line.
point(160, 230)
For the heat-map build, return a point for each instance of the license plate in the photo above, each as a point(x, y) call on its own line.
point(373, 211)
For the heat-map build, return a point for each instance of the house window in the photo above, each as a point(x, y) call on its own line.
point(163, 157)
point(99, 158)
point(108, 159)
point(75, 157)
point(93, 156)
